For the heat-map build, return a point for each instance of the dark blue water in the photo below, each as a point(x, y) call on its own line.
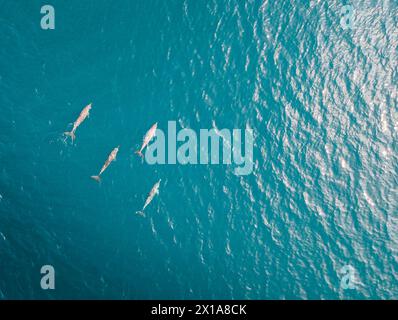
point(322, 103)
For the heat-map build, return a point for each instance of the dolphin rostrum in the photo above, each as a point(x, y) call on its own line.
point(154, 191)
point(111, 157)
point(148, 137)
point(85, 113)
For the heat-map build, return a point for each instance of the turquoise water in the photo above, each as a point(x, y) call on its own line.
point(321, 100)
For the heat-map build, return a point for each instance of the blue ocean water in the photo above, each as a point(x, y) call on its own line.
point(321, 100)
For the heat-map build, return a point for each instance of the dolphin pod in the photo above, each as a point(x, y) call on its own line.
point(150, 134)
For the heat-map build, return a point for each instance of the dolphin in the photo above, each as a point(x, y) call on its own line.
point(148, 137)
point(154, 191)
point(111, 157)
point(85, 113)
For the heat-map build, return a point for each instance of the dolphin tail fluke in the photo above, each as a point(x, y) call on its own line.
point(96, 178)
point(139, 153)
point(140, 213)
point(70, 134)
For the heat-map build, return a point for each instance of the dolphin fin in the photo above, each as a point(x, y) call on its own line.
point(70, 134)
point(139, 153)
point(96, 178)
point(140, 213)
